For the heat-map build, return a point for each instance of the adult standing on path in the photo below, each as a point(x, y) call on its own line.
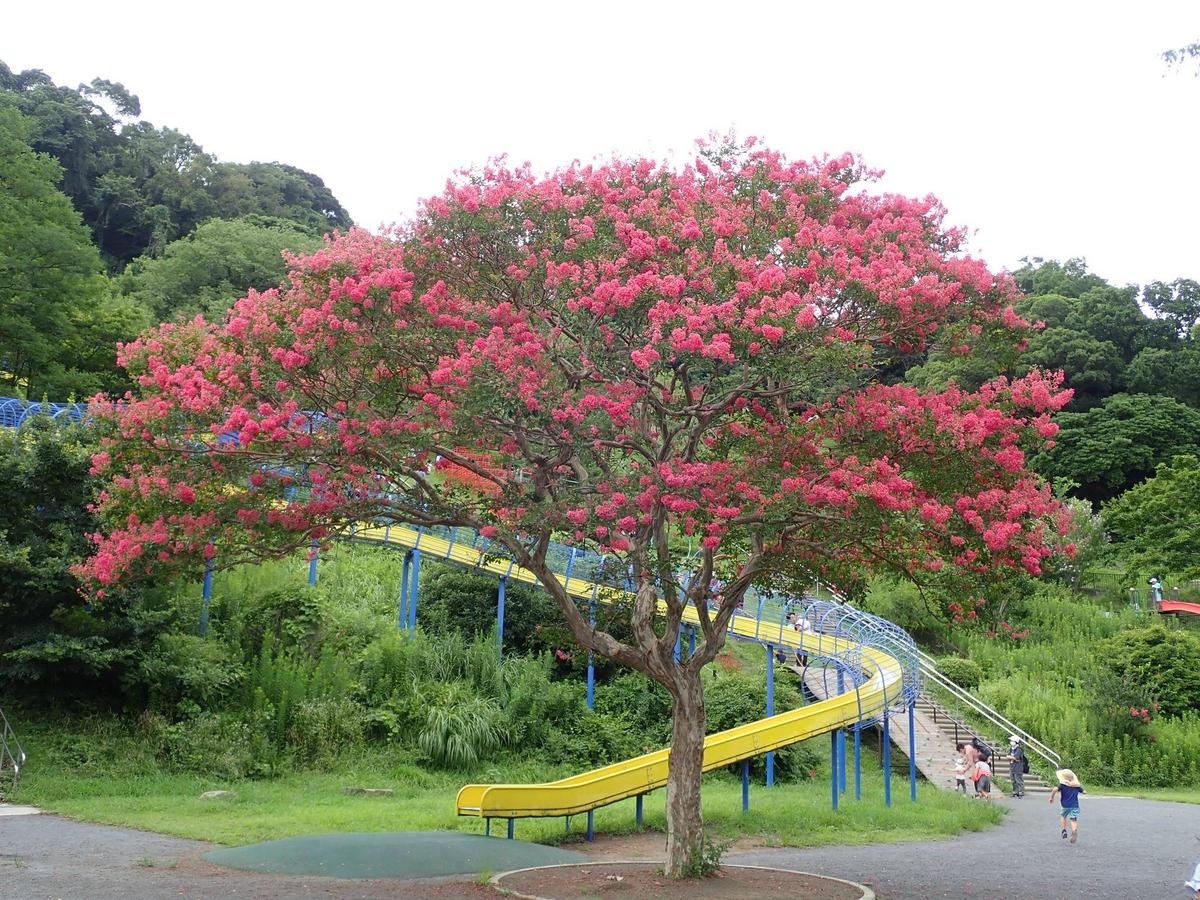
point(1016, 765)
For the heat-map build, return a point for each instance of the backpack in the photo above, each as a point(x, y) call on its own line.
point(1024, 764)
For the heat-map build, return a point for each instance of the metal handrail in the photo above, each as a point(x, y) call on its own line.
point(929, 670)
point(16, 759)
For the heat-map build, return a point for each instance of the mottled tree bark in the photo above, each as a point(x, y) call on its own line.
point(685, 819)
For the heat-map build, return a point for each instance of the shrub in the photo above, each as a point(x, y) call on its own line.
point(324, 727)
point(643, 701)
point(536, 707)
point(594, 739)
point(287, 618)
point(461, 729)
point(965, 672)
point(734, 699)
point(452, 600)
point(184, 668)
point(903, 603)
point(1165, 662)
point(213, 744)
point(1119, 703)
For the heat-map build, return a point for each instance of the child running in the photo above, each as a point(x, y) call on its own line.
point(1068, 790)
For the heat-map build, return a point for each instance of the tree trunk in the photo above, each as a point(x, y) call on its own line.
point(685, 821)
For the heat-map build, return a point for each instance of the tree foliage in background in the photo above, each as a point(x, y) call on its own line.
point(50, 644)
point(140, 187)
point(1119, 443)
point(1157, 523)
point(219, 262)
point(58, 324)
point(1109, 342)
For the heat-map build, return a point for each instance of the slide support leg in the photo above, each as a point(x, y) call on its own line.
point(857, 764)
point(833, 767)
point(312, 564)
point(591, 834)
point(638, 811)
point(887, 763)
point(745, 785)
point(206, 597)
point(500, 618)
point(770, 710)
point(591, 673)
point(402, 619)
point(412, 594)
point(511, 823)
point(912, 754)
point(841, 760)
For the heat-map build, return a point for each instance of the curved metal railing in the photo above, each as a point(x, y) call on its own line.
point(929, 672)
point(14, 412)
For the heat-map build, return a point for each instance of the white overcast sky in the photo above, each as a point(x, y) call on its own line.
point(1047, 128)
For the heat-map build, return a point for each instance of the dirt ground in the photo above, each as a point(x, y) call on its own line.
point(625, 881)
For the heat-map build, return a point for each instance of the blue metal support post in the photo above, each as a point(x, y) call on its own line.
point(887, 762)
point(833, 767)
point(312, 564)
point(912, 754)
point(500, 619)
point(591, 676)
point(745, 785)
point(412, 593)
point(841, 683)
point(841, 742)
point(206, 596)
point(857, 764)
point(591, 832)
point(678, 643)
point(691, 641)
point(770, 710)
point(638, 811)
point(402, 617)
point(510, 828)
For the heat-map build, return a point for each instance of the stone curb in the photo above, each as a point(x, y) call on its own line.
point(867, 893)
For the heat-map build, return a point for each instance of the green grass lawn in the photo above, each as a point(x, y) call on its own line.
point(1175, 795)
point(796, 814)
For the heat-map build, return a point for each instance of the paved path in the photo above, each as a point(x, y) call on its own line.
point(1136, 849)
point(46, 857)
point(1129, 849)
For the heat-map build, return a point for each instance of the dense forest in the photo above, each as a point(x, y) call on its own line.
point(109, 224)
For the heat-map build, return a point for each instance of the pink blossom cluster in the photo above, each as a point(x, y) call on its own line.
point(624, 354)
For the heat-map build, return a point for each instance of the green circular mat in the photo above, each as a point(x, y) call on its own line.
point(403, 854)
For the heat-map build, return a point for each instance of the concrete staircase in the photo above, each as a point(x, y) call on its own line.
point(937, 728)
point(936, 734)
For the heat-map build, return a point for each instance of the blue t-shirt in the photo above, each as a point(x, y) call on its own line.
point(1069, 796)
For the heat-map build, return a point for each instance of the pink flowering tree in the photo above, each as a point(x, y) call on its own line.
point(696, 356)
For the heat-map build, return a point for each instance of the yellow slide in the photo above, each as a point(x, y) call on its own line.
point(642, 774)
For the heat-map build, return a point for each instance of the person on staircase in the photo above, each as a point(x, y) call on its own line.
point(960, 770)
point(1016, 765)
